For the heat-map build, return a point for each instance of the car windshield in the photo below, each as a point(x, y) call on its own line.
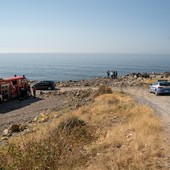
point(165, 83)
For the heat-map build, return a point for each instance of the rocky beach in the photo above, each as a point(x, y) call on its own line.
point(131, 79)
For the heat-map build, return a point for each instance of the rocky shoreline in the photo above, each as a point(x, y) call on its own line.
point(131, 79)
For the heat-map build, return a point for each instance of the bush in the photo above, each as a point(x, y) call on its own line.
point(70, 124)
point(103, 90)
point(74, 130)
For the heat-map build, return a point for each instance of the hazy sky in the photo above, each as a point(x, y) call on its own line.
point(90, 26)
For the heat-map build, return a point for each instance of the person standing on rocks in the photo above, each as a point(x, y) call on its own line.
point(111, 74)
point(108, 73)
point(116, 74)
point(34, 91)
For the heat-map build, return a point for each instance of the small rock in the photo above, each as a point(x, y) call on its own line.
point(4, 138)
point(77, 105)
point(77, 94)
point(139, 78)
point(35, 119)
point(135, 77)
point(7, 133)
point(129, 135)
point(42, 117)
point(119, 145)
point(86, 84)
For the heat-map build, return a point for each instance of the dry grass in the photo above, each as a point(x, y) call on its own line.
point(57, 149)
point(152, 80)
point(112, 132)
point(103, 90)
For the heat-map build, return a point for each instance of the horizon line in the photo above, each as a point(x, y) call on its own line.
point(81, 53)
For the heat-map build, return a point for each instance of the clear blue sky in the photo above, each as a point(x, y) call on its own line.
point(85, 26)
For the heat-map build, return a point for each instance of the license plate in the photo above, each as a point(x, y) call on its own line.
point(167, 91)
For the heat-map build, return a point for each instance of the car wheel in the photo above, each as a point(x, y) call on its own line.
point(156, 93)
point(49, 88)
point(150, 91)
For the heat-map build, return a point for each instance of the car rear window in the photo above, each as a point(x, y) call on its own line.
point(164, 84)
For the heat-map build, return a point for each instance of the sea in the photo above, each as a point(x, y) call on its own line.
point(63, 67)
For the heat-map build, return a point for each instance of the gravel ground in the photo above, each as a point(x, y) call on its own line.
point(13, 112)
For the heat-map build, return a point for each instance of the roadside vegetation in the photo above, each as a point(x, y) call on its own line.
point(152, 80)
point(112, 132)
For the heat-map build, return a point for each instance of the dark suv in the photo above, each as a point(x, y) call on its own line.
point(45, 85)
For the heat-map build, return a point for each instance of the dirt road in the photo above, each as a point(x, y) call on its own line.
point(160, 104)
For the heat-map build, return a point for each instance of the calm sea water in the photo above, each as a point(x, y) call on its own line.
point(61, 67)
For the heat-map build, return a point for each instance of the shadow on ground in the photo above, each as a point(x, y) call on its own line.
point(14, 104)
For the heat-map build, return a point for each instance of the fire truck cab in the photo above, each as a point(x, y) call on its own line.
point(10, 87)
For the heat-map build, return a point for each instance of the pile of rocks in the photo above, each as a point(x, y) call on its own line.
point(165, 75)
point(95, 82)
point(78, 98)
point(134, 79)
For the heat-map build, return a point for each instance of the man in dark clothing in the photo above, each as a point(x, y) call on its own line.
point(108, 73)
point(34, 91)
point(115, 74)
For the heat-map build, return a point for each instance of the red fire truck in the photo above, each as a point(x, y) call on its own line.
point(10, 87)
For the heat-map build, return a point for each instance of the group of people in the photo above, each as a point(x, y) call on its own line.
point(112, 74)
point(24, 91)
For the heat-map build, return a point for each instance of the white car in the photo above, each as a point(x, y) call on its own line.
point(160, 87)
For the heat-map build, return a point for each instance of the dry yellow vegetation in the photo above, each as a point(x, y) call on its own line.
point(112, 132)
point(152, 80)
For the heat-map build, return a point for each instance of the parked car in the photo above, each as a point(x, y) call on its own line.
point(160, 87)
point(45, 85)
